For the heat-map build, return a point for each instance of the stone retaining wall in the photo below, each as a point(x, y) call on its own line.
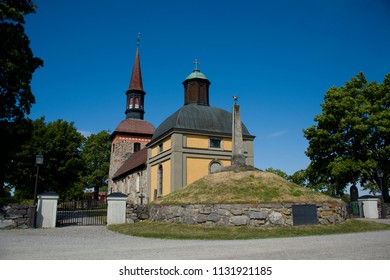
point(136, 213)
point(15, 216)
point(242, 214)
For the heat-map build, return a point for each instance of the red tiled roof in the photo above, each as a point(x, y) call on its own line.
point(135, 126)
point(135, 161)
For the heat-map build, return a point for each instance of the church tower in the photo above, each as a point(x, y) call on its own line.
point(133, 133)
point(136, 93)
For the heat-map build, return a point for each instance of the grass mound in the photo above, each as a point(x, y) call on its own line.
point(246, 187)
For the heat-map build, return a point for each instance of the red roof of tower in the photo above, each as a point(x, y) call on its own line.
point(134, 127)
point(136, 77)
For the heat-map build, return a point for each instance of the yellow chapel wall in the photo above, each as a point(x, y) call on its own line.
point(199, 167)
point(227, 144)
point(197, 141)
point(166, 145)
point(166, 177)
point(202, 142)
point(166, 185)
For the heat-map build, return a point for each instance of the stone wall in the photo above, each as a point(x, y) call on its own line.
point(136, 213)
point(133, 185)
point(242, 214)
point(386, 210)
point(15, 216)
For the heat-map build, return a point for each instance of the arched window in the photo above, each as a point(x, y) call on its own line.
point(160, 180)
point(215, 166)
point(131, 103)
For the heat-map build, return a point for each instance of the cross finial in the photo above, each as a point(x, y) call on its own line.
point(138, 38)
point(235, 98)
point(196, 62)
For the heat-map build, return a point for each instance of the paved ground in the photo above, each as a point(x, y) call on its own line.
point(97, 242)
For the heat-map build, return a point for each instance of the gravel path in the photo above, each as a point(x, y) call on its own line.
point(98, 243)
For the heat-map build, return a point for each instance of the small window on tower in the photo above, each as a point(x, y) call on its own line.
point(131, 103)
point(160, 148)
point(137, 147)
point(215, 143)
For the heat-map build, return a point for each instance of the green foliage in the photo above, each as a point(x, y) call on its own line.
point(350, 141)
point(96, 156)
point(60, 144)
point(277, 172)
point(299, 177)
point(371, 187)
point(17, 64)
point(7, 200)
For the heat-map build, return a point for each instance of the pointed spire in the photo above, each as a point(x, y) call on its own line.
point(135, 93)
point(136, 77)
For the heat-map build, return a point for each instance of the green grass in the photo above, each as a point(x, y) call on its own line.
point(165, 230)
point(246, 187)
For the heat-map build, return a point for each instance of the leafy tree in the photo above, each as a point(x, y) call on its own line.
point(299, 178)
point(278, 172)
point(17, 64)
point(60, 144)
point(371, 187)
point(96, 155)
point(350, 141)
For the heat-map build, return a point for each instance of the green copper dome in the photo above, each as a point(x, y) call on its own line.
point(196, 74)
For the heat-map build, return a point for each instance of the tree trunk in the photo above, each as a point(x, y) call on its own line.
point(385, 193)
point(96, 193)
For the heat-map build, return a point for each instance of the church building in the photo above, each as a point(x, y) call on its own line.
point(127, 172)
point(194, 141)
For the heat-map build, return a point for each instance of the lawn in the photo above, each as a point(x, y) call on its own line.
point(165, 230)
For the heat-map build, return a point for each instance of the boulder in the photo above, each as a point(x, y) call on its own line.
point(6, 224)
point(239, 220)
point(276, 218)
point(258, 215)
point(213, 217)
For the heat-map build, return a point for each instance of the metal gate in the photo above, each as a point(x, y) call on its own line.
point(81, 213)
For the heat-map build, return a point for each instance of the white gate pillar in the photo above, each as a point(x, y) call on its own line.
point(47, 210)
point(116, 208)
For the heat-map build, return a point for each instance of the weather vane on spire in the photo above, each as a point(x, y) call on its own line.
point(196, 62)
point(138, 38)
point(235, 98)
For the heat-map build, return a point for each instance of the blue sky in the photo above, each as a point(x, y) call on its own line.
point(279, 57)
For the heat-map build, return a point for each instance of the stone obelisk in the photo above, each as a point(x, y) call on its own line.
point(238, 157)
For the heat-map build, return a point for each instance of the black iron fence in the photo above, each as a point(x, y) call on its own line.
point(81, 213)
